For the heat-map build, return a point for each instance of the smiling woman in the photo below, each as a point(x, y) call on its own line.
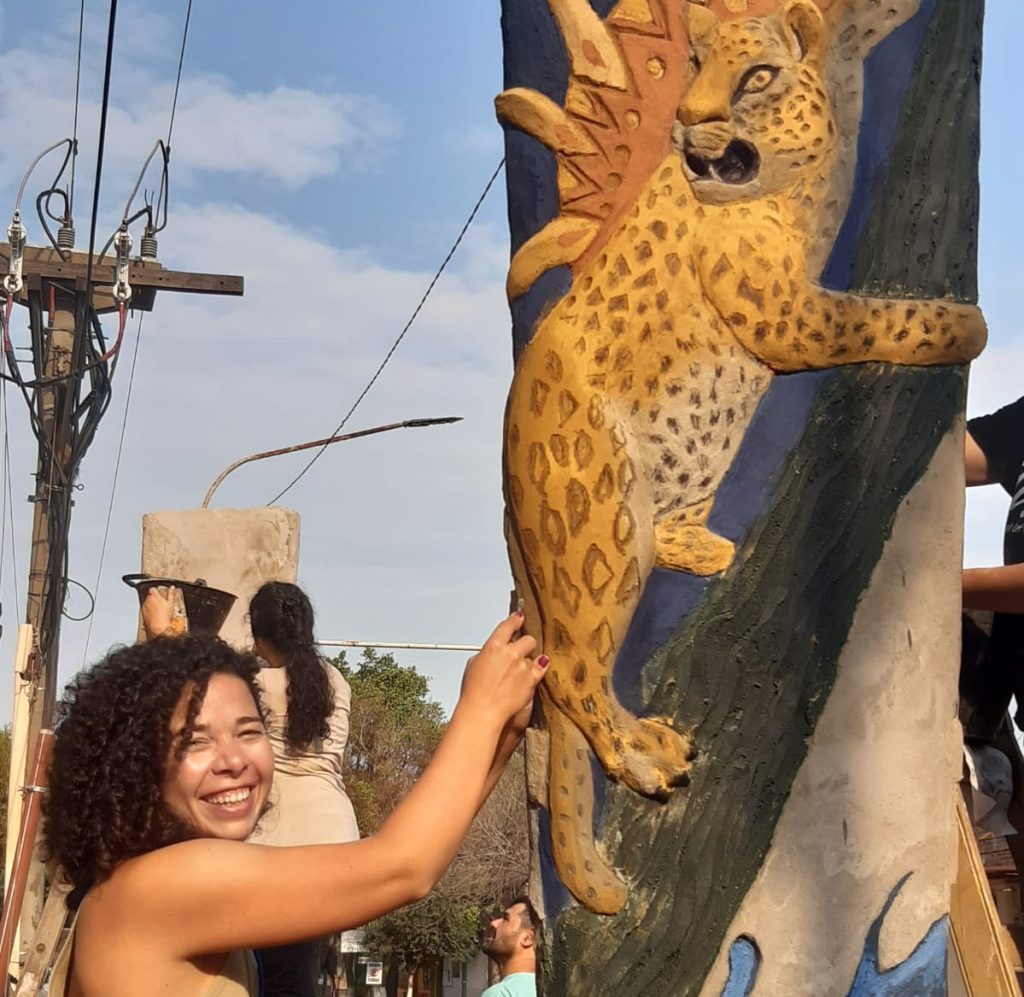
point(161, 770)
point(223, 765)
point(155, 707)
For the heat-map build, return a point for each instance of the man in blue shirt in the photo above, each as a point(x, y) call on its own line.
point(511, 944)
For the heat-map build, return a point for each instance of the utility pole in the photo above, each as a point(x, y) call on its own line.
point(56, 365)
point(69, 354)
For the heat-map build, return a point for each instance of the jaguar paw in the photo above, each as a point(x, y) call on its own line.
point(656, 758)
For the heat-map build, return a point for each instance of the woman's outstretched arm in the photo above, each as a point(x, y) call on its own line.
point(210, 896)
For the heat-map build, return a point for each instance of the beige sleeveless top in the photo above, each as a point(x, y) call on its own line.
point(309, 804)
point(238, 978)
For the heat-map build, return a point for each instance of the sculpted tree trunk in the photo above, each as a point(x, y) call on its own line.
point(744, 243)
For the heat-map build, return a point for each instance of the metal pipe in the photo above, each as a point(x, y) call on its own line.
point(408, 424)
point(26, 843)
point(401, 647)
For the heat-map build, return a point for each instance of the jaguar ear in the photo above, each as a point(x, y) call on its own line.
point(701, 26)
point(805, 28)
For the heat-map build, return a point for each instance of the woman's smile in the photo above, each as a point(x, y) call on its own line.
point(220, 772)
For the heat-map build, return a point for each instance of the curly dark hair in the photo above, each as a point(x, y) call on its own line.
point(112, 745)
point(529, 918)
point(282, 615)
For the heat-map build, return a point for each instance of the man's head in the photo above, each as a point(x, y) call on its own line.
point(511, 935)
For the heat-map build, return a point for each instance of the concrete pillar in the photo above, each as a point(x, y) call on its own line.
point(741, 287)
point(236, 550)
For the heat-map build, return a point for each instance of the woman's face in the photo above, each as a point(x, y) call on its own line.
point(220, 779)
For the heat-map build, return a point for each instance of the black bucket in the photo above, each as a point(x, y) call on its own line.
point(207, 608)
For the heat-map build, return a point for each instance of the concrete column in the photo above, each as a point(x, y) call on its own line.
point(742, 290)
point(236, 550)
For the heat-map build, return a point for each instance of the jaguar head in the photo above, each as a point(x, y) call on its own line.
point(756, 117)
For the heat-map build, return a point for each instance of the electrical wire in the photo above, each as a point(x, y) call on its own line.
point(32, 169)
point(181, 63)
point(78, 90)
point(100, 147)
point(408, 325)
point(161, 204)
point(162, 148)
point(113, 484)
point(165, 183)
point(92, 603)
point(43, 209)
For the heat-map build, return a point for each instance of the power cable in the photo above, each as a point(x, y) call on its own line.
point(165, 184)
point(113, 484)
point(92, 603)
point(181, 63)
point(100, 146)
point(408, 325)
point(78, 90)
point(138, 334)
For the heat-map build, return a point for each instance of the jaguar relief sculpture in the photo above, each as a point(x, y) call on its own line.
point(695, 162)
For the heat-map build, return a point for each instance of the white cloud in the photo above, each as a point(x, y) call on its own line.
point(286, 135)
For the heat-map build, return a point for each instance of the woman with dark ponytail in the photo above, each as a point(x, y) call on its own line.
point(307, 704)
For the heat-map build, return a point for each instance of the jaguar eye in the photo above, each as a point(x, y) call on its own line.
point(757, 80)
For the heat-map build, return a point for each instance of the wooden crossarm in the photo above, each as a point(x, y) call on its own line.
point(44, 262)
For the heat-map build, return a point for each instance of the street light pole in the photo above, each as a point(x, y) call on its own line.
point(408, 424)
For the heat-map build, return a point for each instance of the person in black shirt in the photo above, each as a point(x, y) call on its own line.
point(994, 454)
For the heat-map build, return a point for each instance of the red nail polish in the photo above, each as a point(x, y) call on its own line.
point(543, 661)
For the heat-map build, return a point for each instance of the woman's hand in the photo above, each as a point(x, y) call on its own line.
point(158, 613)
point(500, 680)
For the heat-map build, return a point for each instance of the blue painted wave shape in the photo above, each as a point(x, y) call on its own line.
point(921, 974)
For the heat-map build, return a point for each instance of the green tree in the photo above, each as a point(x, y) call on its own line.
point(394, 728)
point(419, 935)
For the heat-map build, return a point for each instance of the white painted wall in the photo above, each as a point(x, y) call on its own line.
point(471, 975)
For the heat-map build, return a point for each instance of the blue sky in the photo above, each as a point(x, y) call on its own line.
point(330, 152)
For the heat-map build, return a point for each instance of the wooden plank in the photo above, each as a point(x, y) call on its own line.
point(979, 940)
point(18, 759)
point(1007, 744)
point(44, 944)
point(41, 262)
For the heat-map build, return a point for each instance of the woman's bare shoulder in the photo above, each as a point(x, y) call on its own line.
point(145, 881)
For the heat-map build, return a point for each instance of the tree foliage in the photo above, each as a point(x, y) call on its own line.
point(394, 728)
point(493, 863)
point(422, 933)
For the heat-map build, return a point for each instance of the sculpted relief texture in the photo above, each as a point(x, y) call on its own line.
point(705, 158)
